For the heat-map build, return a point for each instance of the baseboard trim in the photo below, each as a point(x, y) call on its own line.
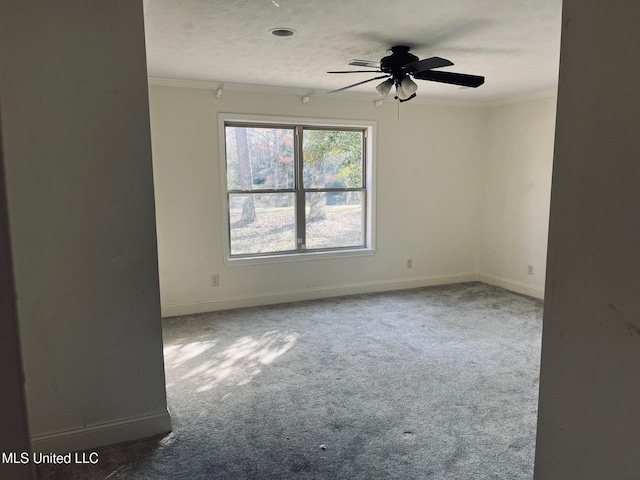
point(313, 293)
point(512, 285)
point(101, 434)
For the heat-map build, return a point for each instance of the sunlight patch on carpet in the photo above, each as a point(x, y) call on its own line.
point(206, 367)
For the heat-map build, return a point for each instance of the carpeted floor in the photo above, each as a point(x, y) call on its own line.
point(431, 383)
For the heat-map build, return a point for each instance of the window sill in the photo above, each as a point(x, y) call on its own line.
point(298, 257)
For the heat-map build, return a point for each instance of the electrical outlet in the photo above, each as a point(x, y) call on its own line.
point(409, 262)
point(215, 280)
point(530, 269)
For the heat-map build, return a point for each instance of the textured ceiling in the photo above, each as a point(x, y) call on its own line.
point(515, 44)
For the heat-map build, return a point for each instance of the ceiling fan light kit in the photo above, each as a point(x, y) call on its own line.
point(409, 87)
point(398, 68)
point(385, 87)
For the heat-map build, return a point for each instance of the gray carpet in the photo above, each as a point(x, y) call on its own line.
point(431, 383)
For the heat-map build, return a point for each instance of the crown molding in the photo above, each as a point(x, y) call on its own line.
point(527, 97)
point(352, 95)
point(231, 87)
point(295, 91)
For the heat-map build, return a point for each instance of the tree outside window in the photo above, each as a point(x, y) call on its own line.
point(295, 189)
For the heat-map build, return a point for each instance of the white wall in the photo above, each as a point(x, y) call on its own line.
point(463, 191)
point(77, 151)
point(516, 187)
point(588, 422)
point(428, 194)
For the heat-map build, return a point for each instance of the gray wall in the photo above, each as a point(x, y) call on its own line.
point(75, 124)
point(588, 426)
point(14, 434)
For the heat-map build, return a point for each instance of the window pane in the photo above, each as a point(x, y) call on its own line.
point(334, 219)
point(259, 158)
point(262, 223)
point(332, 159)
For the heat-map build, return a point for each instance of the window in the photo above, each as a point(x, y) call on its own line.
point(296, 188)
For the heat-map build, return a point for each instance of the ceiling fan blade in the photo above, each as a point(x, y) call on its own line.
point(427, 64)
point(462, 79)
point(359, 83)
point(358, 71)
point(364, 63)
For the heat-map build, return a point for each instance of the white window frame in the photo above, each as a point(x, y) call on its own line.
point(370, 182)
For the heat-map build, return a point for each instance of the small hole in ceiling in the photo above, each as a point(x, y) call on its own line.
point(283, 32)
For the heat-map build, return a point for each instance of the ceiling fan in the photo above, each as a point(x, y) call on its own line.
point(400, 66)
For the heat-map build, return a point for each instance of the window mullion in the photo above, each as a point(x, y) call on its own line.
point(365, 170)
point(262, 190)
point(300, 192)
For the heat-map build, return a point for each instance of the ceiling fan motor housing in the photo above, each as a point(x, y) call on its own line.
point(399, 57)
